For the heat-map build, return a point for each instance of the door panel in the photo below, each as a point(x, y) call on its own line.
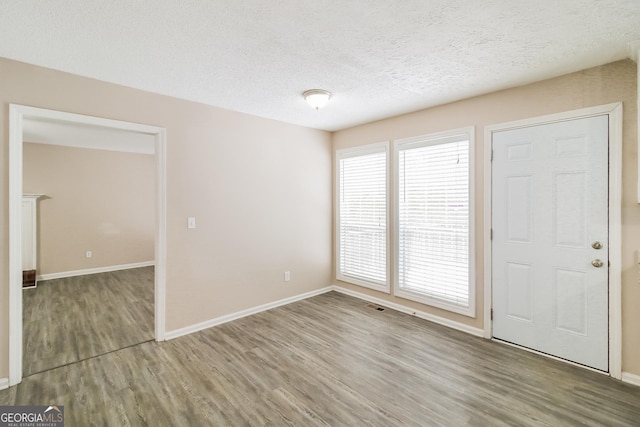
point(519, 291)
point(549, 204)
point(571, 301)
point(519, 205)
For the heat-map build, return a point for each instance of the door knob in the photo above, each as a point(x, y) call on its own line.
point(596, 245)
point(597, 263)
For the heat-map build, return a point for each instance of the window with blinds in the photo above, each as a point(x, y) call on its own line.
point(434, 257)
point(362, 216)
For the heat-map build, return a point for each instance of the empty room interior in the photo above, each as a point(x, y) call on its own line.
point(321, 213)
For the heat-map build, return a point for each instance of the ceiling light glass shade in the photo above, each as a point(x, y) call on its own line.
point(317, 98)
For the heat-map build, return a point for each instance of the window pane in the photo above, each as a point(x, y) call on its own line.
point(433, 218)
point(363, 217)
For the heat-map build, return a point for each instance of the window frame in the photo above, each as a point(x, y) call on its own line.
point(421, 141)
point(363, 150)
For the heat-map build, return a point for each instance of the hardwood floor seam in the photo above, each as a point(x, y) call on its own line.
point(88, 358)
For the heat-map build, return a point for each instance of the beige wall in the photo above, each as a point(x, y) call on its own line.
point(97, 200)
point(597, 86)
point(260, 190)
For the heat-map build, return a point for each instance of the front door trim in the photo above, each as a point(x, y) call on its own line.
point(614, 111)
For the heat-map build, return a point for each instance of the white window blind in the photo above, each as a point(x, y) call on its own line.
point(362, 216)
point(433, 219)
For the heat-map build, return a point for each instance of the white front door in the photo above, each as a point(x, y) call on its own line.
point(550, 239)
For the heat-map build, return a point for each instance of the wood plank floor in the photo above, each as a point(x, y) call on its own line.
point(329, 360)
point(75, 318)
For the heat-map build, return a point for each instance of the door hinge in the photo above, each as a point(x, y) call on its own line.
point(492, 155)
point(492, 314)
point(491, 234)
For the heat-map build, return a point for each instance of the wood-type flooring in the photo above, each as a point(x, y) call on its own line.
point(75, 318)
point(328, 360)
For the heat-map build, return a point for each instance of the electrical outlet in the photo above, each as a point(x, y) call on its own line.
point(89, 254)
point(191, 222)
point(287, 276)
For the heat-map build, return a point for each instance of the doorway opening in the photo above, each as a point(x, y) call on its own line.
point(22, 118)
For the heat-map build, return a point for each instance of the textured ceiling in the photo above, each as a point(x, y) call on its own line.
point(379, 58)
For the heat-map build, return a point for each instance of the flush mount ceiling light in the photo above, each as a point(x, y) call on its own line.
point(317, 98)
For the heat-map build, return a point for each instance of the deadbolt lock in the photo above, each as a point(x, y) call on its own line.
point(596, 245)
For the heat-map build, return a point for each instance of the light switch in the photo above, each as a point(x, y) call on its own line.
point(191, 222)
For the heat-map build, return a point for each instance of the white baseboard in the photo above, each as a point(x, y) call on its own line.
point(631, 378)
point(248, 312)
point(421, 314)
point(4, 383)
point(64, 274)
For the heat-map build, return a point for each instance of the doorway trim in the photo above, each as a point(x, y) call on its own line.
point(17, 114)
point(614, 111)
